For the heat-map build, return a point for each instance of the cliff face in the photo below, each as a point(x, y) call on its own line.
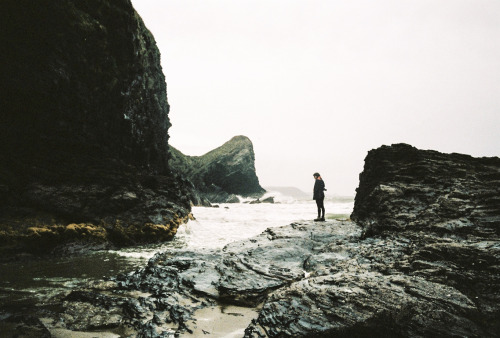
point(221, 173)
point(88, 73)
point(84, 124)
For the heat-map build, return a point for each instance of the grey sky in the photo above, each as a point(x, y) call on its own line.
point(317, 84)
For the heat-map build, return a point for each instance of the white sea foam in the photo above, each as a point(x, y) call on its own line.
point(216, 227)
point(213, 228)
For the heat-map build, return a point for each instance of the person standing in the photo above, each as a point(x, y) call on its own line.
point(319, 196)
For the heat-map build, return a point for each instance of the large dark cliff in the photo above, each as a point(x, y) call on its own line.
point(83, 125)
point(222, 173)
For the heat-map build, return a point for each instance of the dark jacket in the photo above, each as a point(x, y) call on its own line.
point(319, 188)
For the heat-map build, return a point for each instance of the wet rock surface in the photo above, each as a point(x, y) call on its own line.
point(165, 297)
point(404, 188)
point(305, 279)
point(322, 279)
point(84, 129)
point(23, 326)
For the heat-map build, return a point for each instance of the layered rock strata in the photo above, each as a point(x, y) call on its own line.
point(84, 128)
point(221, 174)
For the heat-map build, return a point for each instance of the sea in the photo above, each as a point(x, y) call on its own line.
point(31, 282)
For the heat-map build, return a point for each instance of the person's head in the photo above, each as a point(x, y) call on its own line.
point(316, 176)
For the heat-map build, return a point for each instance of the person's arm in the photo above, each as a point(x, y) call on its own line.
point(316, 189)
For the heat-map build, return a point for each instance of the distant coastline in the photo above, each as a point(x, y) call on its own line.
point(301, 195)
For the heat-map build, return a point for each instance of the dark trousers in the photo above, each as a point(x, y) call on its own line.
point(321, 207)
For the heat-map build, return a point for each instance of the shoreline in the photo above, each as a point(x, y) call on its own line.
point(235, 320)
point(301, 273)
point(303, 278)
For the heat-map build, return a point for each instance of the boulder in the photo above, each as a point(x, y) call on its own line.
point(269, 199)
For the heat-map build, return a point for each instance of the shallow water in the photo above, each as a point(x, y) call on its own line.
point(216, 227)
point(30, 283)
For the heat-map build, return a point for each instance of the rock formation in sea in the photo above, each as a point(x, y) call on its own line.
point(83, 128)
point(221, 174)
point(429, 270)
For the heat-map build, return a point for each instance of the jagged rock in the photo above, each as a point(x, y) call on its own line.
point(333, 278)
point(403, 188)
point(265, 200)
point(269, 199)
point(84, 130)
point(425, 264)
point(222, 173)
point(447, 206)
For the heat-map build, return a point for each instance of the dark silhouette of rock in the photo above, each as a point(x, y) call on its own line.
point(425, 263)
point(403, 188)
point(221, 174)
point(269, 200)
point(83, 128)
point(402, 279)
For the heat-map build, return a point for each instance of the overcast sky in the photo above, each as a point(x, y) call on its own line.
point(316, 84)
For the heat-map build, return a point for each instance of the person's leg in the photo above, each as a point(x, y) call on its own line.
point(322, 207)
point(318, 204)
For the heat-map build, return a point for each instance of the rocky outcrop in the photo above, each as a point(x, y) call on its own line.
point(400, 279)
point(269, 199)
point(426, 261)
point(304, 279)
point(221, 174)
point(406, 189)
point(173, 288)
point(332, 278)
point(84, 128)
